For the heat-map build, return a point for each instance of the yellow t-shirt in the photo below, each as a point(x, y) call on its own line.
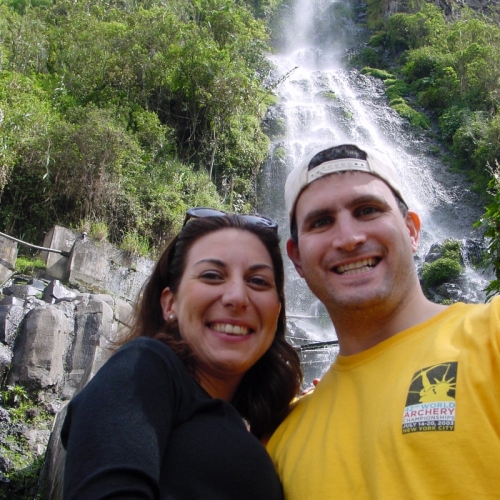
point(415, 417)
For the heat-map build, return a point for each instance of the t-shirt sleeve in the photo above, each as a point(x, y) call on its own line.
point(116, 429)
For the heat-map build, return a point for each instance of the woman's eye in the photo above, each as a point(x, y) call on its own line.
point(260, 281)
point(211, 276)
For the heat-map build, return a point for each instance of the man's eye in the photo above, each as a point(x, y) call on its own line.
point(367, 211)
point(320, 223)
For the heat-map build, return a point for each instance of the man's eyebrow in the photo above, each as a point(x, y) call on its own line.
point(368, 198)
point(321, 212)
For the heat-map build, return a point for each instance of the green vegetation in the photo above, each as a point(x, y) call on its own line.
point(327, 95)
point(28, 265)
point(490, 222)
point(128, 113)
point(24, 464)
point(99, 230)
point(451, 69)
point(134, 243)
point(441, 271)
point(452, 249)
point(448, 70)
point(446, 268)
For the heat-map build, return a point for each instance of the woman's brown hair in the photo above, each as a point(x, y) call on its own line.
point(265, 392)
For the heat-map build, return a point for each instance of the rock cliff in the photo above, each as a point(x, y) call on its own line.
point(53, 339)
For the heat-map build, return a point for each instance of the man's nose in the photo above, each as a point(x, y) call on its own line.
point(348, 233)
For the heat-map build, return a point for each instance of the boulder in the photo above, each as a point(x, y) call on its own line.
point(38, 361)
point(10, 319)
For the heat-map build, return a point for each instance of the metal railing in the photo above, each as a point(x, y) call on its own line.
point(62, 252)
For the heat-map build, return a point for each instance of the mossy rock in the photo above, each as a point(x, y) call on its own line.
point(378, 39)
point(277, 128)
point(327, 95)
point(441, 271)
point(280, 153)
point(414, 117)
point(397, 100)
point(377, 73)
point(396, 88)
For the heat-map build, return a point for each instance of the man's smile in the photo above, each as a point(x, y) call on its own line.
point(358, 267)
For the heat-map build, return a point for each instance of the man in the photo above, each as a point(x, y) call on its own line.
point(411, 406)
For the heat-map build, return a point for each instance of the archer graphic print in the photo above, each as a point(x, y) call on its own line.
point(430, 404)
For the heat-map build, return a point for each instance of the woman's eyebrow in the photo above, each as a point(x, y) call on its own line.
point(220, 263)
point(216, 262)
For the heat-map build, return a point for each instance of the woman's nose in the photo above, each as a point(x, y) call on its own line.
point(235, 294)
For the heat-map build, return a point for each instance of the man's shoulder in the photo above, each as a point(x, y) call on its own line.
point(488, 310)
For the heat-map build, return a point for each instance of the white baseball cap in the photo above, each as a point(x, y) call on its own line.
point(303, 174)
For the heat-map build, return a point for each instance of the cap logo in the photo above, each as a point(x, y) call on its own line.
point(337, 166)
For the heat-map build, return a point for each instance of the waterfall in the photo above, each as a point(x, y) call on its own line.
point(322, 100)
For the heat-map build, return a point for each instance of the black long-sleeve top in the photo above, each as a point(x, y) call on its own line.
point(143, 428)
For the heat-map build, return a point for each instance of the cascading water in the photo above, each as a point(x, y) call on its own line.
point(321, 100)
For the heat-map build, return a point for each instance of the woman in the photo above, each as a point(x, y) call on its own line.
point(167, 417)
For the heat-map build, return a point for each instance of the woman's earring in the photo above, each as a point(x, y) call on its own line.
point(171, 317)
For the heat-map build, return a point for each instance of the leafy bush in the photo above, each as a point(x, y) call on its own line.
point(452, 249)
point(169, 84)
point(368, 56)
point(396, 88)
point(280, 153)
point(490, 223)
point(440, 271)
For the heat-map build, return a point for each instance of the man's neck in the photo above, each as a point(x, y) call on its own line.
point(360, 330)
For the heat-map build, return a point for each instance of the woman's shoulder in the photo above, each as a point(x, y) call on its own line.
point(142, 366)
point(145, 350)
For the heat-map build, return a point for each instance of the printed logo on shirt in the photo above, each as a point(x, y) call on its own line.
point(430, 404)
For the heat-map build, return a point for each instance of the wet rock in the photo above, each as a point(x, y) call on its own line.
point(4, 415)
point(10, 300)
point(21, 291)
point(56, 291)
point(10, 319)
point(5, 359)
point(38, 284)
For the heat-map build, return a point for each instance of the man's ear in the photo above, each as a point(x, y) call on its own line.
point(292, 249)
point(167, 303)
point(413, 225)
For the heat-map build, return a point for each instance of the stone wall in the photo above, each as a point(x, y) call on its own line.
point(94, 265)
point(8, 256)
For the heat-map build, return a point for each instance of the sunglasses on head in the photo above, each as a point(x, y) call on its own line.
point(202, 212)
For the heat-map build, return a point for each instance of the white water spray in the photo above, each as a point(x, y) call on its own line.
point(321, 100)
